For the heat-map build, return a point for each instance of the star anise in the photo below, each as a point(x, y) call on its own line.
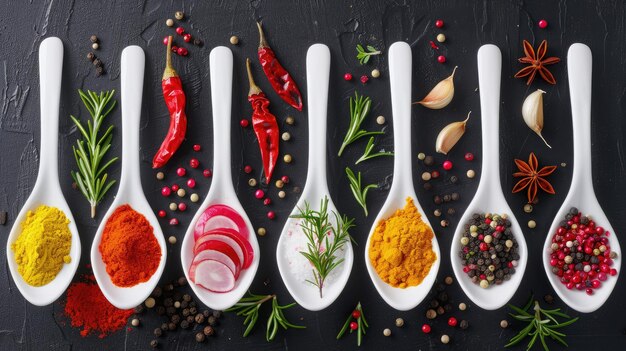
point(533, 179)
point(537, 63)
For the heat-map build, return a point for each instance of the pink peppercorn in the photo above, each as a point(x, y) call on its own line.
point(162, 213)
point(182, 206)
point(173, 221)
point(447, 165)
point(187, 37)
point(439, 23)
point(543, 24)
point(247, 169)
point(267, 201)
point(166, 41)
point(469, 156)
point(347, 76)
point(259, 194)
point(207, 173)
point(166, 191)
point(191, 183)
point(441, 59)
point(271, 215)
point(434, 174)
point(244, 123)
point(426, 328)
point(180, 30)
point(285, 179)
point(174, 49)
point(182, 51)
point(175, 187)
point(197, 147)
point(181, 171)
point(194, 163)
point(364, 79)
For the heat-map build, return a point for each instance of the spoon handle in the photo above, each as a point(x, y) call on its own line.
point(400, 72)
point(579, 63)
point(50, 72)
point(133, 65)
point(317, 78)
point(221, 71)
point(489, 74)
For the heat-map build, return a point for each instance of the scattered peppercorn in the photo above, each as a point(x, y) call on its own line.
point(471, 174)
point(445, 339)
point(287, 158)
point(380, 120)
point(172, 240)
point(504, 323)
point(364, 79)
point(375, 73)
point(286, 136)
point(200, 337)
point(439, 23)
point(426, 176)
point(282, 194)
point(449, 280)
point(387, 332)
point(290, 120)
point(150, 302)
point(93, 39)
point(95, 46)
point(444, 223)
point(464, 324)
point(208, 330)
point(549, 299)
point(437, 212)
point(252, 182)
point(194, 197)
point(426, 328)
point(198, 42)
point(91, 56)
point(429, 160)
point(169, 22)
point(347, 77)
point(441, 37)
point(462, 306)
point(179, 15)
point(431, 314)
point(543, 24)
point(528, 208)
point(441, 59)
point(154, 344)
point(532, 224)
point(399, 322)
point(158, 332)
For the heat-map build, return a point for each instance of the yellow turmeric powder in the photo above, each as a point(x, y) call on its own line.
point(401, 248)
point(43, 245)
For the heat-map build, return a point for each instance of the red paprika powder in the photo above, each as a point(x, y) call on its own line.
point(129, 248)
point(88, 309)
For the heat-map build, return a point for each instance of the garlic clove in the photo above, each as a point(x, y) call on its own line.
point(450, 135)
point(532, 111)
point(441, 95)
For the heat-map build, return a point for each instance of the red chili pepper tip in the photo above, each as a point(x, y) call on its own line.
point(187, 38)
point(175, 187)
point(180, 30)
point(181, 171)
point(244, 123)
point(182, 206)
point(197, 147)
point(447, 165)
point(166, 191)
point(162, 213)
point(271, 215)
point(441, 59)
point(347, 76)
point(207, 173)
point(543, 24)
point(166, 40)
point(433, 45)
point(173, 221)
point(247, 169)
point(267, 201)
point(439, 23)
point(364, 79)
point(191, 183)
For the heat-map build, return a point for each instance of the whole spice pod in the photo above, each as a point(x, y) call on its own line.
point(175, 100)
point(441, 95)
point(450, 135)
point(264, 124)
point(280, 79)
point(532, 111)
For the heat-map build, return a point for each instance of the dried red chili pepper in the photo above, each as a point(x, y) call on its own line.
point(174, 97)
point(281, 80)
point(264, 124)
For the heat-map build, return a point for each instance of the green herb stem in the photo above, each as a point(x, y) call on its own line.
point(363, 54)
point(360, 194)
point(359, 109)
point(368, 154)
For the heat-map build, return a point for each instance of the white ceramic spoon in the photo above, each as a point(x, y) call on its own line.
point(315, 189)
point(581, 194)
point(400, 62)
point(489, 196)
point(47, 189)
point(222, 191)
point(130, 191)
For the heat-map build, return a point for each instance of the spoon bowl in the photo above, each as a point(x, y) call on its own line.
point(581, 194)
point(222, 191)
point(130, 191)
point(400, 73)
point(489, 196)
point(47, 189)
point(316, 189)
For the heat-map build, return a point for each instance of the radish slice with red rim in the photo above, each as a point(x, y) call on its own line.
point(241, 246)
point(221, 252)
point(233, 220)
point(212, 275)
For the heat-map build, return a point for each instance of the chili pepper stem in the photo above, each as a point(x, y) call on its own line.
point(169, 69)
point(262, 41)
point(254, 89)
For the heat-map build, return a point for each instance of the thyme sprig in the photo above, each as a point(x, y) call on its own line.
point(322, 248)
point(363, 54)
point(541, 324)
point(249, 307)
point(91, 177)
point(359, 109)
point(360, 194)
point(368, 154)
point(360, 321)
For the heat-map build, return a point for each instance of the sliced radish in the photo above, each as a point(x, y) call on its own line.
point(241, 246)
point(221, 252)
point(210, 219)
point(212, 275)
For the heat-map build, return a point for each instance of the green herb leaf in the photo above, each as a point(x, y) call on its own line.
point(359, 109)
point(355, 185)
point(367, 154)
point(89, 153)
point(364, 55)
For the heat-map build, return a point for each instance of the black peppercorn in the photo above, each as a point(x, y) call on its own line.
point(206, 313)
point(212, 321)
point(170, 311)
point(192, 304)
point(442, 297)
point(440, 310)
point(97, 62)
point(198, 42)
point(184, 324)
point(431, 314)
point(437, 199)
point(182, 281)
point(158, 332)
point(199, 318)
point(185, 312)
point(175, 319)
point(160, 310)
point(434, 304)
point(451, 211)
point(217, 314)
point(157, 292)
point(193, 310)
point(429, 160)
point(447, 198)
point(168, 302)
point(187, 297)
point(427, 186)
point(455, 196)
point(164, 327)
point(454, 179)
point(549, 299)
point(190, 319)
point(139, 309)
point(91, 56)
point(464, 324)
point(154, 344)
point(200, 337)
point(169, 287)
point(93, 39)
point(171, 326)
point(208, 330)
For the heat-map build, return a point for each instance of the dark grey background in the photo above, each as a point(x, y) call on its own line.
point(291, 26)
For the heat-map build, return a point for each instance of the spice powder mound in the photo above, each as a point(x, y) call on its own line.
point(401, 248)
point(129, 248)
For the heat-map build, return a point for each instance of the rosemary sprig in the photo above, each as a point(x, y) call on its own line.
point(321, 247)
point(364, 55)
point(360, 321)
point(538, 326)
point(359, 108)
point(89, 152)
point(367, 154)
point(355, 185)
point(249, 307)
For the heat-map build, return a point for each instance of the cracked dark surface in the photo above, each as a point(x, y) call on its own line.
point(291, 26)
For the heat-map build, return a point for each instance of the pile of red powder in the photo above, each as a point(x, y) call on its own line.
point(89, 310)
